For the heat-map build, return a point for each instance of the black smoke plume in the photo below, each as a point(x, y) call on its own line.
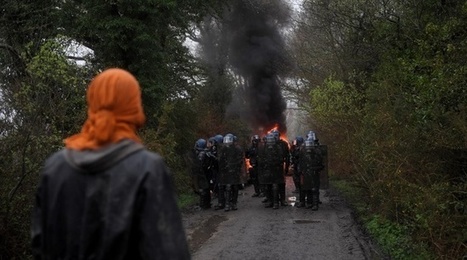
point(257, 53)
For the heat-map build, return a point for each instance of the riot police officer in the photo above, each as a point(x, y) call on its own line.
point(252, 155)
point(270, 169)
point(213, 168)
point(200, 173)
point(230, 166)
point(294, 154)
point(310, 163)
point(285, 161)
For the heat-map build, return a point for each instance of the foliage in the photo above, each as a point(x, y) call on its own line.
point(145, 37)
point(397, 126)
point(187, 199)
point(163, 140)
point(395, 239)
point(353, 193)
point(42, 88)
point(41, 110)
point(338, 106)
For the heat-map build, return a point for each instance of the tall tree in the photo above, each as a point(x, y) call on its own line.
point(145, 37)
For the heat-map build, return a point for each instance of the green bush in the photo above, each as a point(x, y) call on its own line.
point(396, 240)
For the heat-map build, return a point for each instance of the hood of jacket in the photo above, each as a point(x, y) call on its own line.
point(99, 160)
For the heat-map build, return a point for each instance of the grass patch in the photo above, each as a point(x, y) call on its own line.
point(393, 238)
point(186, 199)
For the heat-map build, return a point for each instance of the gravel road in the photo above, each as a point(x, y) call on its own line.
point(255, 232)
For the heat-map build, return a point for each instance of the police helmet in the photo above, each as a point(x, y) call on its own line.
point(228, 139)
point(276, 133)
point(309, 142)
point(200, 144)
point(212, 141)
point(299, 140)
point(219, 139)
point(270, 139)
point(255, 139)
point(311, 134)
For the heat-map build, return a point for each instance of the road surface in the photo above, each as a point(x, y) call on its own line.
point(256, 232)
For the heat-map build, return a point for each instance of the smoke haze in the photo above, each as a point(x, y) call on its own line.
point(257, 53)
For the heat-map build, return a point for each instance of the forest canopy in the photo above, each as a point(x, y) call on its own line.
point(383, 83)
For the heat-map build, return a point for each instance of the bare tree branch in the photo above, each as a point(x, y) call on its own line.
point(9, 48)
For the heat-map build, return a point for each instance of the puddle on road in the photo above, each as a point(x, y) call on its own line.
point(205, 231)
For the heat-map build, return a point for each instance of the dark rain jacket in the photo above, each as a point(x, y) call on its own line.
point(114, 203)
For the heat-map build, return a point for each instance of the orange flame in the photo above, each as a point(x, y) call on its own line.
point(276, 127)
point(247, 164)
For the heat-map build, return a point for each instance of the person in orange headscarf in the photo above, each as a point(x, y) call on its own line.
point(104, 196)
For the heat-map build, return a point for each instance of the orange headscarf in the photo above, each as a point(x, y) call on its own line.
point(115, 111)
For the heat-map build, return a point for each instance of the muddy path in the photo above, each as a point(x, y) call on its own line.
point(255, 232)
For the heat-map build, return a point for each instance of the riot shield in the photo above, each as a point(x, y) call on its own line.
point(324, 175)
